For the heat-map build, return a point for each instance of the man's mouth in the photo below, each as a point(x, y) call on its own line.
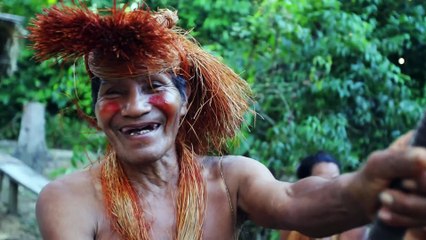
point(139, 130)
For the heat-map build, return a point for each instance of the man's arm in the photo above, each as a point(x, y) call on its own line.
point(321, 207)
point(61, 213)
point(314, 205)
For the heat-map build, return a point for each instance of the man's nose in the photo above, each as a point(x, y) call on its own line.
point(136, 104)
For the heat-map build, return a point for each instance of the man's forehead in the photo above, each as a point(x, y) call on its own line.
point(110, 67)
point(141, 79)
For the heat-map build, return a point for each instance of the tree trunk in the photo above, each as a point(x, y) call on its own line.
point(32, 147)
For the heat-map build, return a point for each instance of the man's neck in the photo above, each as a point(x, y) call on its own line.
point(154, 177)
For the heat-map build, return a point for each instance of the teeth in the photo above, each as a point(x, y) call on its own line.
point(140, 131)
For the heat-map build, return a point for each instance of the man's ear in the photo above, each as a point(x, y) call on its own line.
point(98, 124)
point(96, 119)
point(187, 91)
point(184, 108)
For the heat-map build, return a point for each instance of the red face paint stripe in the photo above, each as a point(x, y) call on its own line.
point(109, 108)
point(160, 102)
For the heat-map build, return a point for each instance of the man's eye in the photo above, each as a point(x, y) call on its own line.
point(112, 92)
point(154, 86)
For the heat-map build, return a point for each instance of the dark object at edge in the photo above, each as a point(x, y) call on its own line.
point(381, 231)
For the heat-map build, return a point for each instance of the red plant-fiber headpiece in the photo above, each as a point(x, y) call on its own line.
point(142, 42)
point(70, 33)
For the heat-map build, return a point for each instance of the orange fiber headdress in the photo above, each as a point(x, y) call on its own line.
point(143, 42)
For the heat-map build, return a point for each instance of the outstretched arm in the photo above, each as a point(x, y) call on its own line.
point(314, 205)
point(321, 207)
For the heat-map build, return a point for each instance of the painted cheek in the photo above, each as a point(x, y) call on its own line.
point(161, 102)
point(109, 109)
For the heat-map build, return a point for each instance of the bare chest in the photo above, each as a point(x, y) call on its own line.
point(160, 212)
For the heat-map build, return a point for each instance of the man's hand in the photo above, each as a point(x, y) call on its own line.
point(403, 141)
point(395, 207)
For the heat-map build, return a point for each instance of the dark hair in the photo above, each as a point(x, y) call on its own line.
point(96, 84)
point(178, 81)
point(307, 164)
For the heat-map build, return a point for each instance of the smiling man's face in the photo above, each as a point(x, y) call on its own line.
point(140, 116)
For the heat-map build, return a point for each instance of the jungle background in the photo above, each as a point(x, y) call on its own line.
point(343, 76)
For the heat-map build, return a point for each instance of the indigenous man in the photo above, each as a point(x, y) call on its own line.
point(164, 104)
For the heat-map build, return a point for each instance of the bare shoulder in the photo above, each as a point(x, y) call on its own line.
point(234, 166)
point(230, 162)
point(74, 186)
point(239, 171)
point(66, 207)
point(252, 183)
point(243, 168)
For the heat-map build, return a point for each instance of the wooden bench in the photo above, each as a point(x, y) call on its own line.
point(19, 174)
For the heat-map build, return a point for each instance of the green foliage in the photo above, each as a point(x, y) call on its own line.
point(57, 84)
point(86, 143)
point(26, 8)
point(324, 80)
point(326, 76)
point(209, 20)
point(65, 132)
